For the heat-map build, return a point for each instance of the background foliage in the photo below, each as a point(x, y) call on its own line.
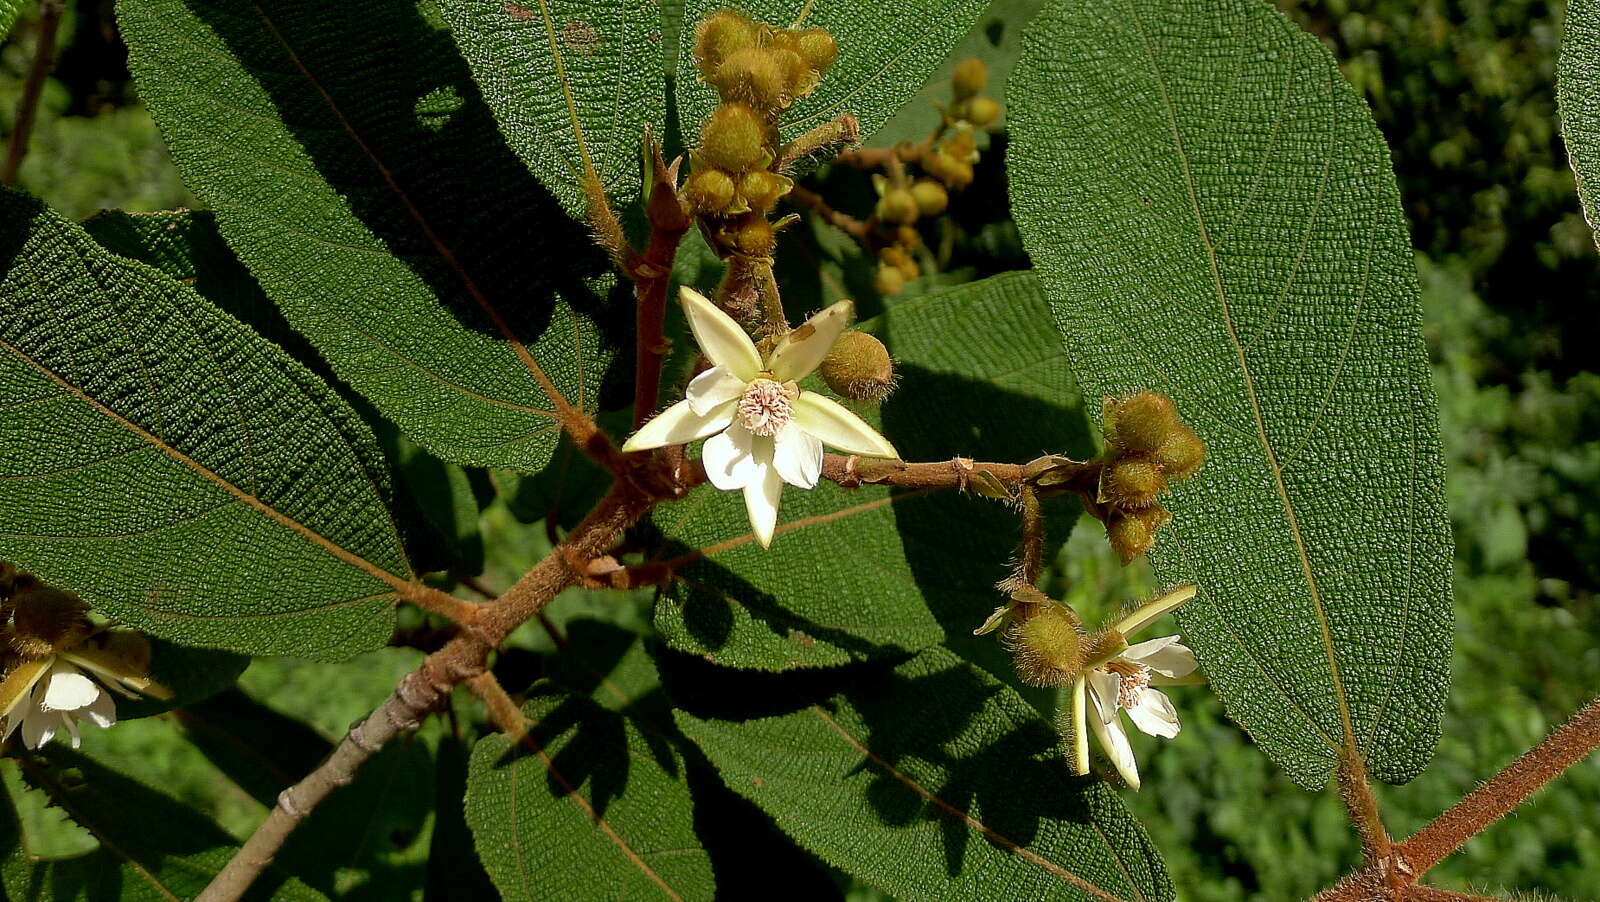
point(1464, 92)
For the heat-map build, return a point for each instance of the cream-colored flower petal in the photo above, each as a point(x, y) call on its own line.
point(679, 424)
point(800, 352)
point(1103, 691)
point(1115, 742)
point(72, 729)
point(67, 689)
point(1164, 656)
point(837, 427)
point(729, 458)
point(722, 339)
point(1080, 728)
point(711, 388)
point(1194, 679)
point(797, 455)
point(1154, 610)
point(38, 727)
point(761, 503)
point(103, 712)
point(1154, 714)
point(16, 691)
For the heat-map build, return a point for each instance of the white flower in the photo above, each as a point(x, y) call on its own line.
point(43, 695)
point(1126, 682)
point(764, 430)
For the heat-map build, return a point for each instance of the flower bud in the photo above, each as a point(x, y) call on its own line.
point(734, 138)
point(754, 76)
point(897, 205)
point(1180, 454)
point(907, 237)
point(709, 192)
point(47, 620)
point(1133, 533)
point(970, 77)
point(931, 197)
point(1046, 644)
point(888, 280)
point(761, 188)
point(818, 49)
point(983, 111)
point(1138, 424)
point(859, 368)
point(718, 37)
point(752, 236)
point(1131, 482)
point(799, 79)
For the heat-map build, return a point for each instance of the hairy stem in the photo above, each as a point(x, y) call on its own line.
point(44, 58)
point(1361, 806)
point(844, 222)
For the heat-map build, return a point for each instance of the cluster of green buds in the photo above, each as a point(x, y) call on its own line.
point(1148, 449)
point(758, 72)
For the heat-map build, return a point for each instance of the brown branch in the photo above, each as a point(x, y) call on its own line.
point(810, 200)
point(44, 58)
point(1361, 806)
point(440, 602)
point(652, 274)
point(1569, 744)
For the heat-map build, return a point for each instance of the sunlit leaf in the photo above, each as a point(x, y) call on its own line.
point(1578, 91)
point(1213, 215)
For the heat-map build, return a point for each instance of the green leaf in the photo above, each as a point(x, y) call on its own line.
point(588, 807)
point(886, 53)
point(151, 846)
point(1213, 215)
point(1578, 94)
point(8, 15)
point(454, 871)
point(178, 472)
point(256, 746)
point(863, 573)
point(191, 674)
point(573, 84)
point(930, 781)
point(359, 176)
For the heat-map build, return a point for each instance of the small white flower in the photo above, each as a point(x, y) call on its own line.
point(764, 430)
point(1127, 682)
point(43, 695)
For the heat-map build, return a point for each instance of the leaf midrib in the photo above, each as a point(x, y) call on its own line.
point(1345, 721)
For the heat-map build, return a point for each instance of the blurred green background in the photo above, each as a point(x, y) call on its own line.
point(1464, 92)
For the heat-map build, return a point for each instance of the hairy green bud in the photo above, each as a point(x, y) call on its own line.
point(735, 139)
point(859, 368)
point(970, 77)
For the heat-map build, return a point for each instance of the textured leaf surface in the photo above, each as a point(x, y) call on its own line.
point(931, 781)
point(358, 174)
point(1578, 93)
point(1212, 213)
point(152, 848)
point(174, 469)
point(861, 573)
point(886, 53)
point(573, 84)
point(8, 15)
point(613, 794)
point(190, 674)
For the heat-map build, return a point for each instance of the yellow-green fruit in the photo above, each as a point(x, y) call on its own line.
point(982, 111)
point(1047, 646)
point(709, 192)
point(818, 49)
point(734, 139)
point(893, 255)
point(859, 368)
point(909, 269)
point(1180, 454)
point(907, 237)
point(718, 37)
point(1141, 422)
point(752, 236)
point(761, 188)
point(942, 166)
point(931, 197)
point(888, 280)
point(47, 620)
point(970, 77)
point(897, 205)
point(755, 76)
point(1133, 482)
point(1130, 536)
point(961, 175)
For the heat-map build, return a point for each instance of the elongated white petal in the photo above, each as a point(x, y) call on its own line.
point(72, 729)
point(761, 503)
point(1164, 656)
point(678, 424)
point(801, 351)
point(722, 340)
point(797, 455)
point(1154, 714)
point(1194, 679)
point(1080, 728)
point(1115, 741)
point(67, 689)
point(711, 388)
point(1154, 610)
point(837, 427)
point(730, 458)
point(38, 727)
point(103, 712)
point(1103, 687)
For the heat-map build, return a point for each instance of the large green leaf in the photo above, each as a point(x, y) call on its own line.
point(174, 469)
point(861, 573)
point(152, 848)
point(358, 174)
point(1213, 215)
point(931, 781)
point(573, 84)
point(886, 53)
point(8, 15)
point(1578, 93)
point(589, 806)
